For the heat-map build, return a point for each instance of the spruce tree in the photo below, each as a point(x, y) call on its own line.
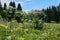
point(11, 3)
point(19, 7)
point(0, 7)
point(5, 6)
point(14, 4)
point(14, 9)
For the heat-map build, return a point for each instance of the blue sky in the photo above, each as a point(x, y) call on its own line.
point(35, 4)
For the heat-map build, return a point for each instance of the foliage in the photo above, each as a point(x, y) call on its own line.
point(0, 7)
point(18, 25)
point(1, 19)
point(18, 16)
point(4, 14)
point(53, 13)
point(26, 31)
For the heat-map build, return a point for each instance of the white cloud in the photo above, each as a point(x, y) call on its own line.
point(8, 1)
point(19, 1)
point(5, 1)
point(23, 2)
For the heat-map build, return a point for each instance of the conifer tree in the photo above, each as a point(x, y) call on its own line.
point(5, 6)
point(14, 4)
point(19, 7)
point(11, 3)
point(0, 7)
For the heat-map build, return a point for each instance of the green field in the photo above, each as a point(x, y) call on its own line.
point(50, 31)
point(20, 23)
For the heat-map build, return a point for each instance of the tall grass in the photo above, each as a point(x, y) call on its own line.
point(18, 31)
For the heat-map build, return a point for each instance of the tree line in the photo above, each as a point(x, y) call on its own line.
point(15, 13)
point(53, 13)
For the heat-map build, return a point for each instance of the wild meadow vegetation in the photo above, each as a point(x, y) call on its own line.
point(16, 24)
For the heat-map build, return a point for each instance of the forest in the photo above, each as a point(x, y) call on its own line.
point(16, 24)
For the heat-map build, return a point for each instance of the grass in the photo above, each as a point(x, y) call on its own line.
point(53, 30)
point(50, 31)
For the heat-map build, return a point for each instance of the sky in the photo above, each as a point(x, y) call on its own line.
point(33, 4)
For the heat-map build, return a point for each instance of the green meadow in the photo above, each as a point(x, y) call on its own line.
point(18, 31)
point(16, 24)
